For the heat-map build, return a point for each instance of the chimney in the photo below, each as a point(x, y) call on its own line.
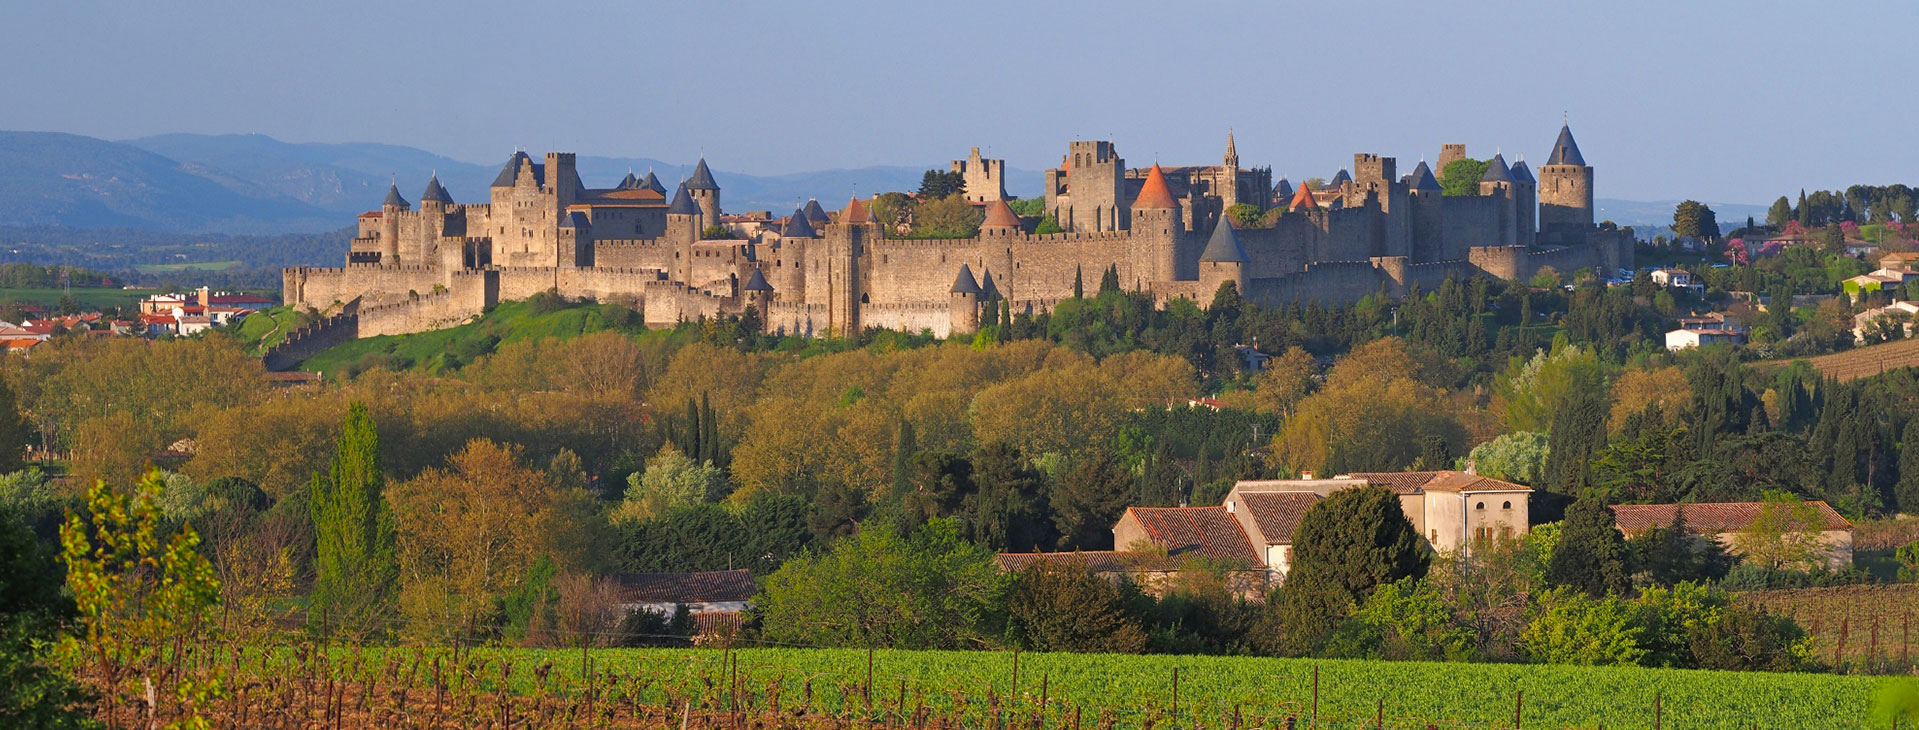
point(1305, 475)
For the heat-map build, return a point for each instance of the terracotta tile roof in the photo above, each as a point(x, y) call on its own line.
point(1209, 532)
point(1303, 199)
point(1153, 193)
point(1097, 561)
point(718, 622)
point(1277, 513)
point(702, 587)
point(1712, 517)
point(999, 214)
point(1415, 482)
point(1401, 482)
point(855, 212)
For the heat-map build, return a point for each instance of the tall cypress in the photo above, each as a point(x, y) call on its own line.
point(1079, 283)
point(709, 432)
point(1578, 434)
point(1906, 493)
point(354, 564)
point(904, 447)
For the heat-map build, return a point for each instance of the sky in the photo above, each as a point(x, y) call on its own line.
point(1717, 101)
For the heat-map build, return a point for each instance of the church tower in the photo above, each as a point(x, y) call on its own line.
point(1229, 174)
point(1565, 189)
point(705, 192)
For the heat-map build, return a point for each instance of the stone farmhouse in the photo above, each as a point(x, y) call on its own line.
point(1250, 532)
point(1722, 522)
point(412, 269)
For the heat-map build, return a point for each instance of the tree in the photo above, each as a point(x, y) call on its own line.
point(1008, 510)
point(1059, 606)
point(354, 569)
point(143, 597)
point(1519, 456)
point(1403, 415)
point(1093, 492)
point(1780, 213)
point(1785, 535)
point(1536, 389)
point(1591, 555)
point(1573, 627)
point(1109, 280)
point(32, 610)
point(876, 589)
point(1245, 215)
point(1286, 379)
point(670, 480)
point(14, 431)
point(1079, 283)
point(1461, 177)
point(1693, 219)
point(937, 184)
point(1670, 554)
point(948, 217)
point(1347, 544)
point(1578, 435)
point(1405, 620)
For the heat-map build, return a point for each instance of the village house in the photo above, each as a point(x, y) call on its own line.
point(1250, 533)
point(1683, 338)
point(716, 600)
point(1894, 271)
point(1899, 314)
point(1677, 279)
point(1724, 523)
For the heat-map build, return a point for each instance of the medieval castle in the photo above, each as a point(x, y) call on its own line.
point(1164, 229)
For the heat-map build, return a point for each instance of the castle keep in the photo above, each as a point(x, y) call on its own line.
point(1164, 229)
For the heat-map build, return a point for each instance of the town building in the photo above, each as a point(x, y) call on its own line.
point(1724, 523)
point(414, 268)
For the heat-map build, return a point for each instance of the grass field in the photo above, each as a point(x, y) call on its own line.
point(267, 328)
point(1410, 694)
point(88, 298)
point(508, 322)
point(1862, 362)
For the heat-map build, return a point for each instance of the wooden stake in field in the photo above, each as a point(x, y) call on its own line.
point(1175, 694)
point(1315, 694)
point(1519, 705)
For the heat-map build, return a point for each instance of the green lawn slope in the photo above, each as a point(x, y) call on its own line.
point(439, 350)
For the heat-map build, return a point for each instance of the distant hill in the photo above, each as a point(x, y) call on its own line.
point(342, 179)
point(54, 179)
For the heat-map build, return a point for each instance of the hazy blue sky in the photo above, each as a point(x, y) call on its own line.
point(1726, 101)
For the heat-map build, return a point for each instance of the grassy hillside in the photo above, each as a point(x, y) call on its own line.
point(1262, 690)
point(434, 351)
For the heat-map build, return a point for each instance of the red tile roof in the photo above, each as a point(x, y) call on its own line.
point(1712, 517)
point(1209, 532)
point(1097, 561)
point(702, 587)
point(1415, 482)
point(1401, 482)
point(1153, 193)
point(1303, 198)
point(999, 214)
point(855, 212)
point(1278, 513)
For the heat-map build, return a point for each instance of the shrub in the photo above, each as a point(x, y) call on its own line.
point(1052, 607)
point(1570, 627)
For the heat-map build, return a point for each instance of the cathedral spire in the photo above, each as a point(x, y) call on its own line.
point(1232, 151)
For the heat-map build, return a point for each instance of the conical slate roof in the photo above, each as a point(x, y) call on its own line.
point(815, 214)
point(653, 183)
point(1340, 178)
point(1154, 193)
point(435, 193)
point(1224, 245)
point(1283, 190)
point(682, 203)
point(1422, 178)
point(1565, 150)
point(855, 212)
point(797, 226)
point(393, 197)
point(1522, 173)
point(1000, 215)
point(965, 283)
point(702, 178)
point(628, 183)
point(987, 291)
point(757, 282)
point(1497, 171)
point(510, 171)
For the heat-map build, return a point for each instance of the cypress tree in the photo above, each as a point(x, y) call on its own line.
point(354, 568)
point(1591, 554)
point(689, 441)
point(14, 433)
point(1578, 433)
point(1079, 283)
point(904, 447)
point(1109, 281)
point(709, 432)
point(1906, 492)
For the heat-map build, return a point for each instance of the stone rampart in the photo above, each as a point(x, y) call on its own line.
point(310, 340)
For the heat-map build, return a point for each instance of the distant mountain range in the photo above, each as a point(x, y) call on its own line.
point(254, 184)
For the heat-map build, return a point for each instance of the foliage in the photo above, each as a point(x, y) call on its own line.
point(1591, 555)
point(32, 611)
point(142, 596)
point(354, 569)
point(1538, 388)
point(1054, 606)
point(1461, 177)
point(759, 534)
point(1093, 491)
point(1402, 416)
point(877, 588)
point(947, 217)
point(1346, 545)
point(1515, 456)
point(1785, 536)
point(1908, 557)
point(671, 480)
point(1693, 219)
point(939, 184)
point(1406, 619)
point(1572, 627)
point(1246, 215)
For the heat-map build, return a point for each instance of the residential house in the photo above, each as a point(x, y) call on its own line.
point(1894, 271)
point(711, 591)
point(1681, 339)
point(1869, 321)
point(1677, 279)
point(1724, 522)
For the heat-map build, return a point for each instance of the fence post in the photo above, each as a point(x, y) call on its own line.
point(1658, 710)
point(1315, 694)
point(1176, 695)
point(1519, 705)
point(869, 683)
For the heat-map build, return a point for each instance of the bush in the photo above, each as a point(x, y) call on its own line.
point(1405, 620)
point(1052, 607)
point(1570, 627)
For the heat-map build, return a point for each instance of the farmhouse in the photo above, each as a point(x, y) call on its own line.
point(712, 591)
point(1728, 522)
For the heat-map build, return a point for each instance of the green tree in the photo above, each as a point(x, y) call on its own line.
point(1538, 388)
point(1109, 280)
point(1054, 606)
point(1572, 627)
point(875, 588)
point(1667, 555)
point(1692, 218)
point(948, 217)
point(1578, 436)
point(14, 431)
point(1591, 555)
point(670, 480)
point(1461, 177)
point(1780, 213)
point(1519, 456)
point(32, 610)
point(1908, 557)
point(354, 563)
point(1093, 491)
point(1785, 535)
point(1906, 493)
point(1405, 620)
point(937, 184)
point(1245, 215)
point(1079, 283)
point(1346, 545)
point(1008, 509)
point(1047, 225)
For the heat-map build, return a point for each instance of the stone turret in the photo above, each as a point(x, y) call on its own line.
point(963, 303)
point(435, 195)
point(1223, 260)
point(759, 295)
point(706, 193)
point(1565, 189)
point(1000, 220)
point(797, 226)
point(1228, 174)
point(390, 211)
point(1498, 183)
point(1428, 224)
point(1156, 227)
point(1525, 202)
point(683, 226)
point(653, 183)
point(815, 214)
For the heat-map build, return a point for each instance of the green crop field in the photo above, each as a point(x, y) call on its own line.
point(88, 298)
point(1135, 688)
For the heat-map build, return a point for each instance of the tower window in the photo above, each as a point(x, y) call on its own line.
point(1508, 505)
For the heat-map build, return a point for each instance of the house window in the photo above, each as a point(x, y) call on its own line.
point(1508, 505)
point(1435, 537)
point(1481, 505)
